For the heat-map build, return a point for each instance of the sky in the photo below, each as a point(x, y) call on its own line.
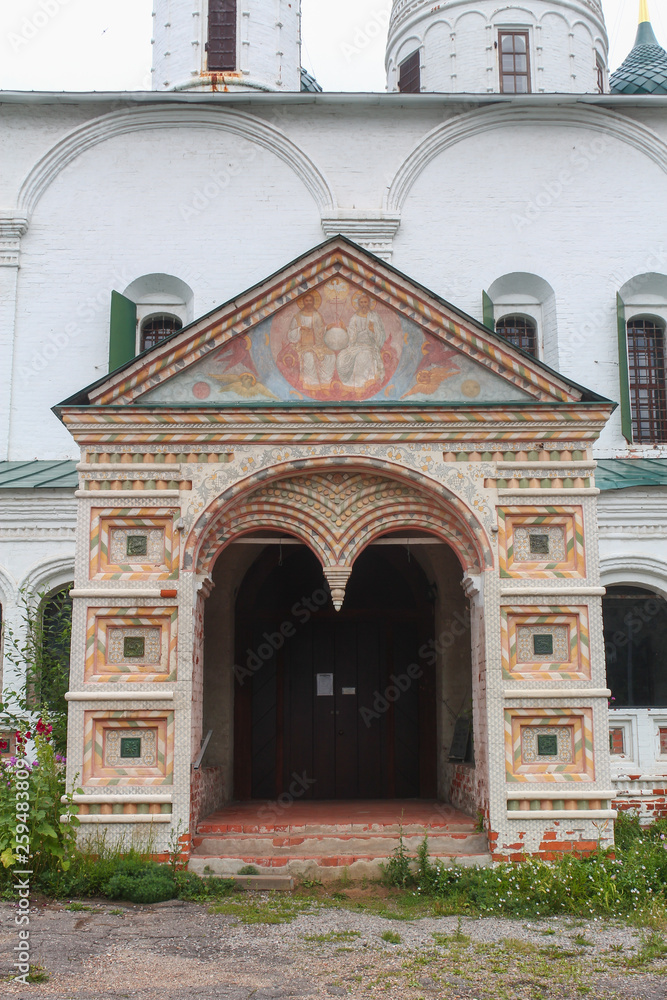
point(105, 44)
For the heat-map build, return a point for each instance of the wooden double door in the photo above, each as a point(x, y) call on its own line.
point(334, 705)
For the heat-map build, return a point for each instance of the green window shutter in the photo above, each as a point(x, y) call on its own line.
point(623, 373)
point(487, 312)
point(122, 331)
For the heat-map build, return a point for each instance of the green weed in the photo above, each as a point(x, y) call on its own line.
point(391, 937)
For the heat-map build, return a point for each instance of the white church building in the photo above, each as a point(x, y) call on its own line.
point(344, 417)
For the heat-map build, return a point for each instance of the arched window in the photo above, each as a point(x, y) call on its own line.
point(646, 377)
point(635, 636)
point(154, 329)
point(520, 331)
point(50, 682)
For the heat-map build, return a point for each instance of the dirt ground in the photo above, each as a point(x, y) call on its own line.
point(183, 951)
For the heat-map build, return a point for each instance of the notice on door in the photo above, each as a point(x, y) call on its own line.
point(325, 685)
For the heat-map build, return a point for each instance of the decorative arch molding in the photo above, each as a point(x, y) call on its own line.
point(48, 574)
point(635, 571)
point(477, 122)
point(337, 513)
point(130, 120)
point(9, 591)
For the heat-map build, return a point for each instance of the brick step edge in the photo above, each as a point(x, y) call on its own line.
point(326, 869)
point(332, 860)
point(326, 830)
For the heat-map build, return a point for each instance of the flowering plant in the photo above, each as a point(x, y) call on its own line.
point(37, 818)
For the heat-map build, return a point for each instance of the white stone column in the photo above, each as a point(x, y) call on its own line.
point(12, 228)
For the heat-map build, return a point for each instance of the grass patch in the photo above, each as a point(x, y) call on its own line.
point(37, 974)
point(391, 937)
point(652, 949)
point(333, 936)
point(278, 909)
point(77, 907)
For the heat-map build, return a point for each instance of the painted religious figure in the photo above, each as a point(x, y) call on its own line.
point(335, 343)
point(317, 361)
point(360, 364)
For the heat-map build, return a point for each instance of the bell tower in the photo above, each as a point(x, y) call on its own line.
point(458, 47)
point(220, 45)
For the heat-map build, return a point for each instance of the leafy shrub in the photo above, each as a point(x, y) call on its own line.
point(248, 870)
point(141, 882)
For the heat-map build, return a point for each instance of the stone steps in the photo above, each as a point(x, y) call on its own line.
point(320, 840)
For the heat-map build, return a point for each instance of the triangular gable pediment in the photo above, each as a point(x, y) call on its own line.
point(336, 326)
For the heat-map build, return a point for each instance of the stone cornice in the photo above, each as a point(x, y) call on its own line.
point(374, 232)
point(99, 428)
point(12, 228)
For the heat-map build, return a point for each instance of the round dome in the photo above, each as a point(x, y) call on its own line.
point(644, 71)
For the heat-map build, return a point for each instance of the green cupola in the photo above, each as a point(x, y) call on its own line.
point(644, 71)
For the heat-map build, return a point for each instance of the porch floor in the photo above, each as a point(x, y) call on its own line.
point(352, 816)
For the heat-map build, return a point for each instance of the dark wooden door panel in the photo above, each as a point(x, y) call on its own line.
point(345, 677)
point(324, 712)
point(371, 723)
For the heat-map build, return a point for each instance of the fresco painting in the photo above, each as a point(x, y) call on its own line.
point(335, 344)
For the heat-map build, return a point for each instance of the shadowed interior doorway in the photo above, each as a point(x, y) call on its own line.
point(334, 705)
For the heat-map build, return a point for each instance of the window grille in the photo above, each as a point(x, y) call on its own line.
point(156, 328)
point(221, 46)
point(646, 369)
point(514, 62)
point(520, 331)
point(409, 74)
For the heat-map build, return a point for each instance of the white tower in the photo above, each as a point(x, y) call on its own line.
point(482, 47)
point(211, 45)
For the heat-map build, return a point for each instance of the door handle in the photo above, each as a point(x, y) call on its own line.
point(340, 732)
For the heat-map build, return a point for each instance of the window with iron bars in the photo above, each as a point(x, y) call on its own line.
point(156, 328)
point(520, 331)
point(648, 389)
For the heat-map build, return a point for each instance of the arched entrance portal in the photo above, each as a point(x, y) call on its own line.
point(335, 704)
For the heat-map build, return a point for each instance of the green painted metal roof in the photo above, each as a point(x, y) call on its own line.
point(644, 71)
point(38, 475)
point(620, 473)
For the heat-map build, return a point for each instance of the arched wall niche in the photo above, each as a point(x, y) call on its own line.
point(127, 120)
point(522, 293)
point(645, 294)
